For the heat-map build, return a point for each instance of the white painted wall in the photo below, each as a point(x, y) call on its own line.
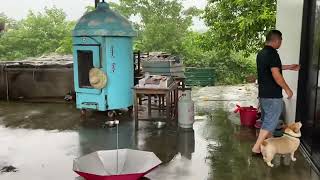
point(289, 22)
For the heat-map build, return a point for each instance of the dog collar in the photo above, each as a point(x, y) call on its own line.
point(291, 135)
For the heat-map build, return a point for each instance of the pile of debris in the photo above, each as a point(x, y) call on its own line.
point(160, 56)
point(155, 81)
point(46, 60)
point(161, 63)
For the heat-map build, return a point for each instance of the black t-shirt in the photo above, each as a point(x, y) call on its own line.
point(268, 58)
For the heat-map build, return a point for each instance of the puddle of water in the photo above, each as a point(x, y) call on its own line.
point(217, 148)
point(38, 154)
point(232, 159)
point(39, 116)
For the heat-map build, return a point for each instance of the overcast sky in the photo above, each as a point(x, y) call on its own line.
point(73, 8)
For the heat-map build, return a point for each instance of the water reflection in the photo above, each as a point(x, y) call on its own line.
point(165, 143)
point(217, 147)
point(186, 143)
point(232, 158)
point(37, 154)
point(95, 139)
point(162, 142)
point(175, 148)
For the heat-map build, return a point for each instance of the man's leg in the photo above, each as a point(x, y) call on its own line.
point(263, 134)
point(272, 109)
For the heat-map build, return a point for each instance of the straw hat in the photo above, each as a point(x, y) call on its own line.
point(97, 78)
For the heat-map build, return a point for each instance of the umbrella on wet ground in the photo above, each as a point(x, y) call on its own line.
point(81, 178)
point(104, 165)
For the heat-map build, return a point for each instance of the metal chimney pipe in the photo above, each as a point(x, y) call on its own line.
point(96, 3)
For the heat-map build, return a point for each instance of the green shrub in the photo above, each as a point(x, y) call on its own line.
point(230, 68)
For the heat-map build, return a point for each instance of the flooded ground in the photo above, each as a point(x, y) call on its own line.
point(40, 141)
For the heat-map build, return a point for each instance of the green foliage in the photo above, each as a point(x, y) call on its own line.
point(3, 19)
point(192, 51)
point(65, 45)
point(163, 23)
point(9, 23)
point(232, 68)
point(90, 8)
point(239, 25)
point(236, 31)
point(36, 35)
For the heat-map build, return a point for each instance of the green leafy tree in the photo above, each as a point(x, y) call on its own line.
point(2, 22)
point(163, 24)
point(231, 68)
point(8, 22)
point(36, 35)
point(192, 51)
point(65, 44)
point(238, 25)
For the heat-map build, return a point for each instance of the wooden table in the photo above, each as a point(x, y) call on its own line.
point(168, 101)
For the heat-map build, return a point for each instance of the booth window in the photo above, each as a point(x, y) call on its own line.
point(85, 63)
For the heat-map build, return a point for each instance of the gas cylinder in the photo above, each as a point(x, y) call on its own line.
point(186, 110)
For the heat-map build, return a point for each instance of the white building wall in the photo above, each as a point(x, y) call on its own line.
point(289, 22)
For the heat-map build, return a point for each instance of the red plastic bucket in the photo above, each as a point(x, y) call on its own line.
point(248, 115)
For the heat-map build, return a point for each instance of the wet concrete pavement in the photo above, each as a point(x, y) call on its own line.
point(41, 141)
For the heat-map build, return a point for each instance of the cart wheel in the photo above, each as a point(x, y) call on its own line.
point(110, 123)
point(83, 115)
point(83, 112)
point(130, 111)
point(111, 114)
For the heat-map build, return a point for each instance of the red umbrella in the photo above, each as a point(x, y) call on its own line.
point(122, 164)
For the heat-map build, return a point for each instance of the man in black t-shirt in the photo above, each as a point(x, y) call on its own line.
point(271, 83)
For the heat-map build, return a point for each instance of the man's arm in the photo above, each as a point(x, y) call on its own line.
point(285, 67)
point(277, 76)
point(293, 67)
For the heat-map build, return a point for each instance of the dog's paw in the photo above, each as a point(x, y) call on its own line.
point(270, 164)
point(293, 159)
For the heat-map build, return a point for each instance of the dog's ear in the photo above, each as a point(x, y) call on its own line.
point(295, 127)
point(291, 126)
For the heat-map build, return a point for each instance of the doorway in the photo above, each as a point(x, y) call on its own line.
point(308, 101)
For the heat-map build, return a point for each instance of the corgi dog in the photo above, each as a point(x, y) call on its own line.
point(287, 144)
